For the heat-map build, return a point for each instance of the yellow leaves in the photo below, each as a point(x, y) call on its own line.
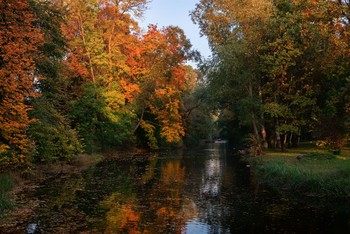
point(173, 133)
point(167, 113)
point(149, 129)
point(3, 148)
point(249, 10)
point(160, 92)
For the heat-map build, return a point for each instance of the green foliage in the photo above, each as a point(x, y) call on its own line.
point(53, 136)
point(100, 118)
point(6, 185)
point(54, 139)
point(199, 123)
point(281, 66)
point(49, 19)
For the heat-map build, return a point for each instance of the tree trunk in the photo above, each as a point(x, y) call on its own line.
point(299, 134)
point(278, 136)
point(263, 130)
point(139, 122)
point(110, 61)
point(254, 121)
point(92, 73)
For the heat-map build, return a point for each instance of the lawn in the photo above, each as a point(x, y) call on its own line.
point(319, 174)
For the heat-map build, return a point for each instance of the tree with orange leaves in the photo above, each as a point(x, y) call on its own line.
point(19, 40)
point(161, 81)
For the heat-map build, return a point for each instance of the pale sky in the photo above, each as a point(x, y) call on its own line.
point(176, 13)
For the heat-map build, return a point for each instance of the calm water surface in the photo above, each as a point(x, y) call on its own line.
point(203, 191)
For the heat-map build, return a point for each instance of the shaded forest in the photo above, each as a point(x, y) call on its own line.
point(81, 76)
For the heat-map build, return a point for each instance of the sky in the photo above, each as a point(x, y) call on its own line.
point(176, 13)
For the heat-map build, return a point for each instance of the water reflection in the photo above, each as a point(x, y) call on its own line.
point(205, 191)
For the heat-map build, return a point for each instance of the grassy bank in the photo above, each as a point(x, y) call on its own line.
point(316, 174)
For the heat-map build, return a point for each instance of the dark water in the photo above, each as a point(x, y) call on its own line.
point(204, 191)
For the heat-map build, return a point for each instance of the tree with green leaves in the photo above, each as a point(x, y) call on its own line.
point(289, 58)
point(51, 131)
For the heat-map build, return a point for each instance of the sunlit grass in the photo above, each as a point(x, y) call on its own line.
point(318, 174)
point(304, 148)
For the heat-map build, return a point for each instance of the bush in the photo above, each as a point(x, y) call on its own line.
point(54, 139)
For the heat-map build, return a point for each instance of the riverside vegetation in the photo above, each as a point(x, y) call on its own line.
point(306, 171)
point(88, 79)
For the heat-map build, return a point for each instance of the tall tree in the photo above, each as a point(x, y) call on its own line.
point(233, 29)
point(20, 39)
point(161, 80)
point(101, 34)
point(54, 138)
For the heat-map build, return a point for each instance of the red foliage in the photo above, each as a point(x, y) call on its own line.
point(19, 41)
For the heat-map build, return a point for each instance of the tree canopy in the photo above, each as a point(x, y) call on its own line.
point(80, 75)
point(280, 66)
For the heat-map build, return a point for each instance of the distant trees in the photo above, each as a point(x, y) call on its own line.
point(280, 66)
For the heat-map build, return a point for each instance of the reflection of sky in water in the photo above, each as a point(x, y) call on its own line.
point(209, 207)
point(211, 178)
point(195, 226)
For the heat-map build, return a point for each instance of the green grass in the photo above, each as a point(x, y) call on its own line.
point(304, 148)
point(6, 185)
point(320, 174)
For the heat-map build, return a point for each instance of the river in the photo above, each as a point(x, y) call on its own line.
point(200, 191)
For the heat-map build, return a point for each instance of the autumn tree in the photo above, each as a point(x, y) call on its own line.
point(20, 39)
point(160, 82)
point(100, 35)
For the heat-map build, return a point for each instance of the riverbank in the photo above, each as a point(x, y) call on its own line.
point(306, 171)
point(14, 205)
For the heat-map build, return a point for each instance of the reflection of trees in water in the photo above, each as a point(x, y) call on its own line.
point(199, 193)
point(157, 209)
point(121, 215)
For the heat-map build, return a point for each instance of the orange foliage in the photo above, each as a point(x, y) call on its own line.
point(162, 77)
point(129, 216)
point(19, 42)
